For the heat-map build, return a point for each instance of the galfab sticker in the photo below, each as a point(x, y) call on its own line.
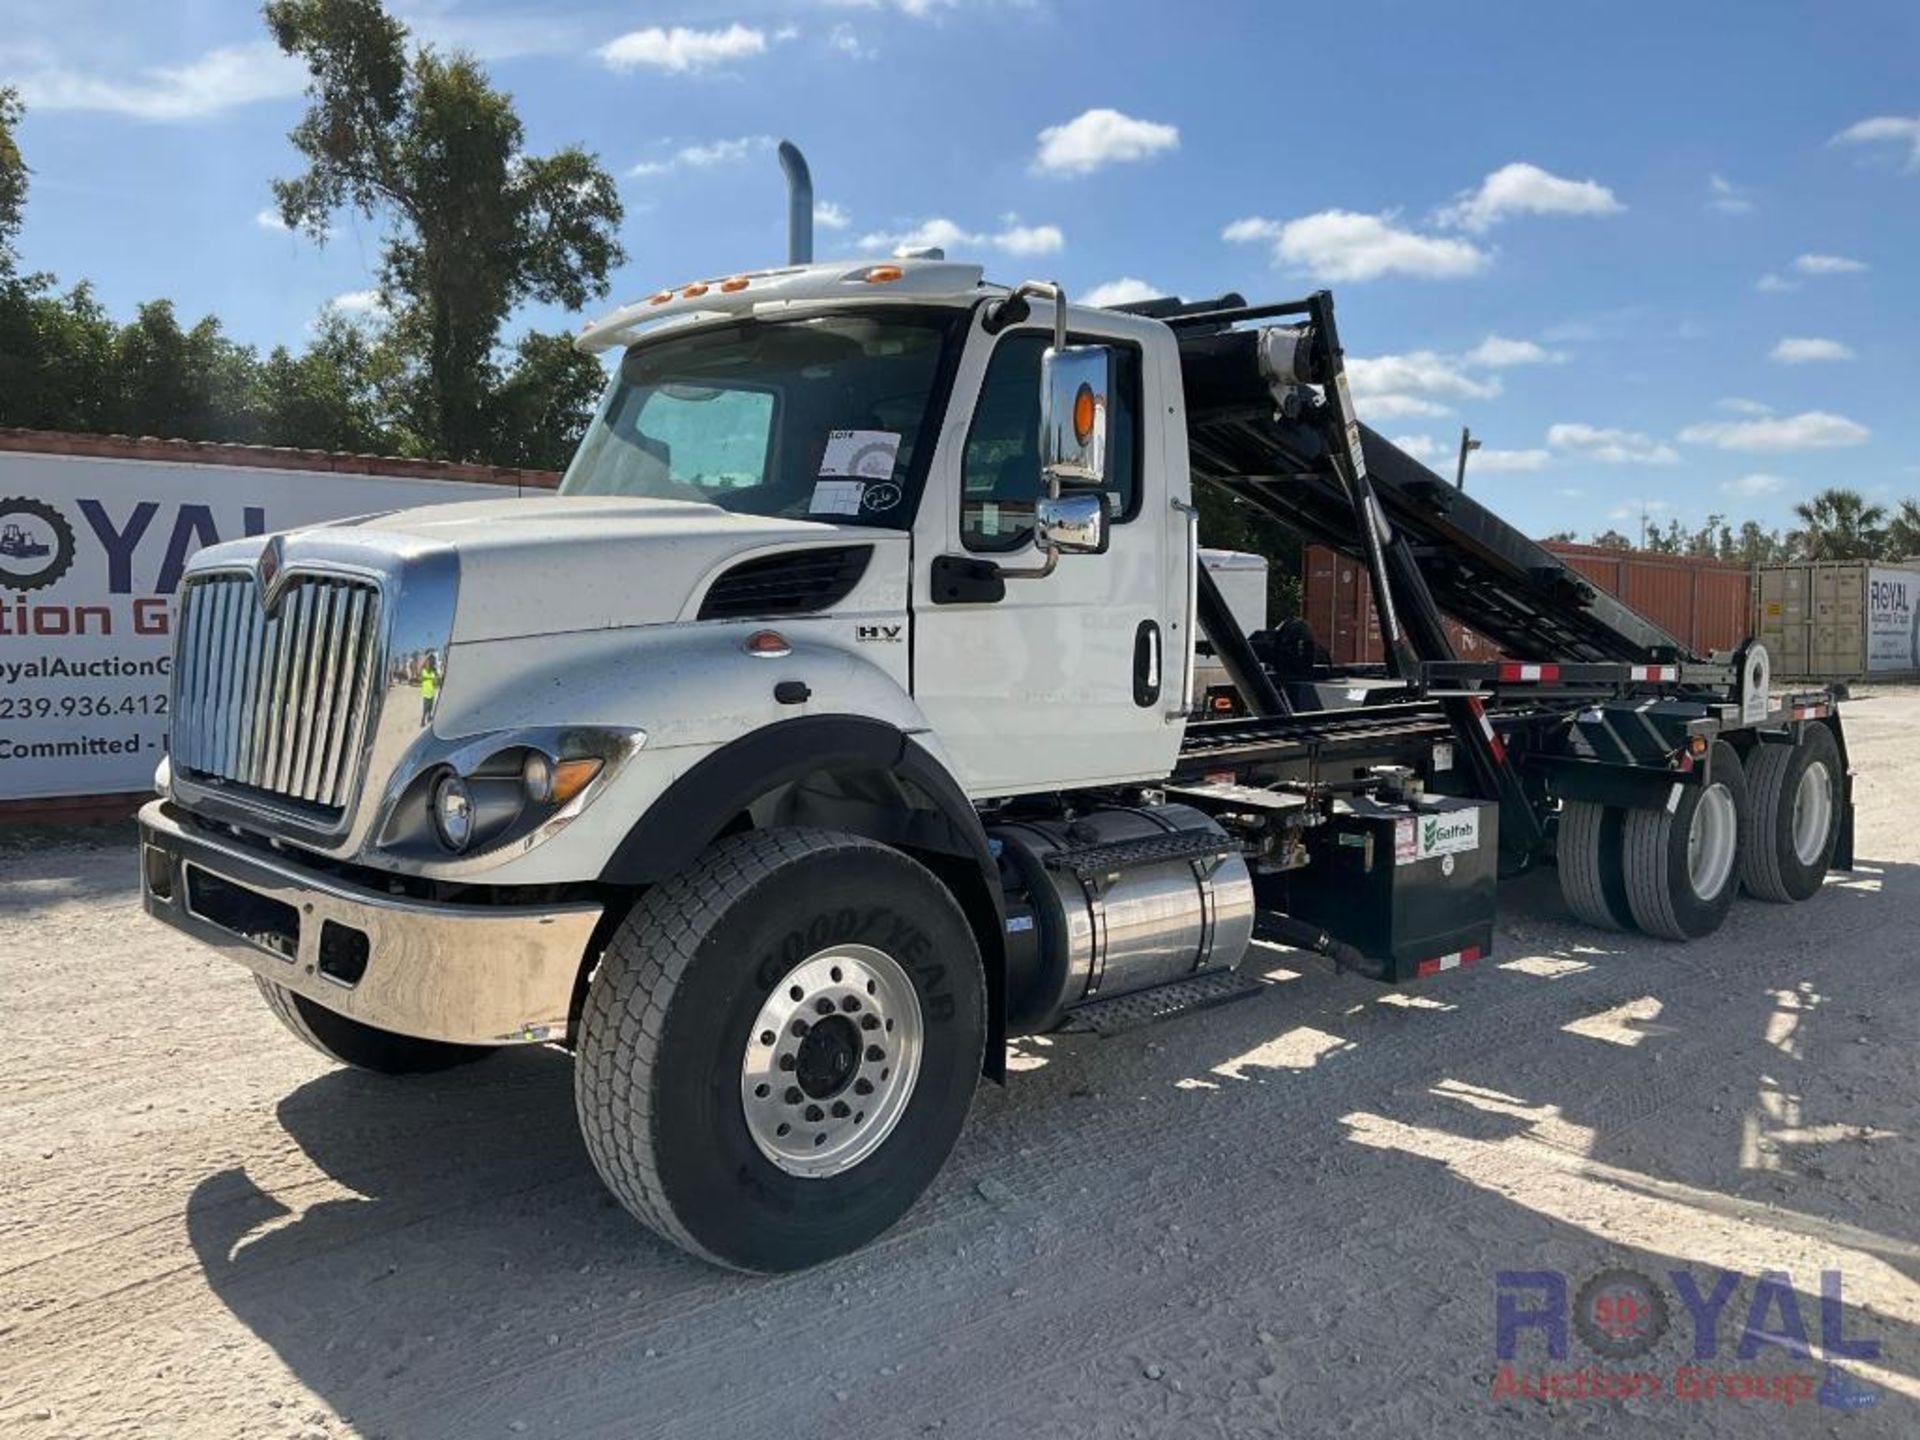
point(860, 454)
point(1450, 833)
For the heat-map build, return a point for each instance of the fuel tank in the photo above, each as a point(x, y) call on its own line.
point(1119, 900)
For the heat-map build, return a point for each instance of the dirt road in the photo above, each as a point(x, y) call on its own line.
point(1287, 1216)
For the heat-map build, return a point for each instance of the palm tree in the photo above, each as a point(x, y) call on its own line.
point(1838, 524)
point(1902, 538)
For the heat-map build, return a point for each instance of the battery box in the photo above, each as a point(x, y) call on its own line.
point(1407, 883)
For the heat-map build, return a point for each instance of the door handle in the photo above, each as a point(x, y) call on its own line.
point(1146, 664)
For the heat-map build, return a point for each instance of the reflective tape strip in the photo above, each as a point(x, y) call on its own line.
point(1654, 672)
point(1448, 962)
point(1486, 726)
point(1810, 712)
point(1511, 670)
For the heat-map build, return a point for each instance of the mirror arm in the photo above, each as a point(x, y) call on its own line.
point(1015, 309)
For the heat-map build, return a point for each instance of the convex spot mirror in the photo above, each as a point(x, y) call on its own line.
point(1071, 524)
point(1074, 382)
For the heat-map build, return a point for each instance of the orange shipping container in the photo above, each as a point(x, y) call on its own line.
point(1703, 603)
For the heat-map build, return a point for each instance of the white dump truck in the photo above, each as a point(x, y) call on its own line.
point(836, 721)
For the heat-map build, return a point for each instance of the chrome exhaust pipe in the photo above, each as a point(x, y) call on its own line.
point(799, 204)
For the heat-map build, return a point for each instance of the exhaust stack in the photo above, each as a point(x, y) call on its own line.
point(799, 204)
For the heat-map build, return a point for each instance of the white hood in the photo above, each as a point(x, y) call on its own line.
point(560, 563)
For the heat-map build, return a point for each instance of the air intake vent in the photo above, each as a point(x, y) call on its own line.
point(799, 582)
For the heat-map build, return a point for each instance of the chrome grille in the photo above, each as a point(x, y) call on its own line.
point(279, 701)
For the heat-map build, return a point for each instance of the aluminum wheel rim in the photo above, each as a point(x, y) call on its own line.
point(1713, 840)
point(1812, 812)
point(832, 1060)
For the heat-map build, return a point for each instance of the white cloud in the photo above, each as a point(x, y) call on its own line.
point(358, 302)
point(1523, 189)
point(1124, 291)
point(1634, 509)
point(1098, 138)
point(1884, 129)
point(1497, 352)
point(847, 41)
point(1726, 197)
point(1420, 447)
point(1019, 239)
point(1806, 349)
point(1402, 407)
point(1417, 373)
point(1772, 284)
point(1343, 245)
point(218, 80)
point(1755, 485)
point(1507, 462)
point(919, 9)
point(1810, 430)
point(1610, 446)
point(826, 213)
point(1741, 406)
point(705, 155)
point(680, 49)
point(1828, 265)
point(270, 221)
point(944, 234)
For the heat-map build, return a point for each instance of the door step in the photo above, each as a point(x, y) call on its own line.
point(1091, 862)
point(1143, 1007)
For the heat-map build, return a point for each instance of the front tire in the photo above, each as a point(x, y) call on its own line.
point(1682, 864)
point(1797, 794)
point(780, 1047)
point(349, 1042)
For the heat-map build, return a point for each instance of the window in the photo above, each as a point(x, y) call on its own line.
point(739, 415)
point(1000, 469)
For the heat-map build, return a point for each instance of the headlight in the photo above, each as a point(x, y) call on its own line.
point(453, 812)
point(536, 775)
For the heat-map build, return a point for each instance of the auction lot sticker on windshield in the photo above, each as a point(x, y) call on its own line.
point(851, 459)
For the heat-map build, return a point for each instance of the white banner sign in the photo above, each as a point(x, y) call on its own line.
point(1893, 620)
point(91, 551)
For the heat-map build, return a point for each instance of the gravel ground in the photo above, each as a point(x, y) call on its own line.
point(1281, 1217)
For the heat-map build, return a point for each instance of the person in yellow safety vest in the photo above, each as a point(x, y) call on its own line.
point(429, 688)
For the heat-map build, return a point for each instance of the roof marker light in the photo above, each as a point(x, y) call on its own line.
point(768, 644)
point(733, 283)
point(883, 274)
point(660, 297)
point(694, 291)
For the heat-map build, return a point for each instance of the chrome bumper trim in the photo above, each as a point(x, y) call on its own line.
point(473, 975)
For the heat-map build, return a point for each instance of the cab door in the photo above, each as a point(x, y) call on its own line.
point(1073, 679)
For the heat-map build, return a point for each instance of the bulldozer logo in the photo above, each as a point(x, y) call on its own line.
point(36, 544)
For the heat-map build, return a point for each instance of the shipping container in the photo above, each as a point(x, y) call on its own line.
point(1700, 601)
point(1839, 619)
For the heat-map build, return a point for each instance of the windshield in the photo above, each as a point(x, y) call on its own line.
point(830, 417)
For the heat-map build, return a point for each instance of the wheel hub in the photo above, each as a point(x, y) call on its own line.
point(1812, 812)
point(831, 1060)
point(1713, 840)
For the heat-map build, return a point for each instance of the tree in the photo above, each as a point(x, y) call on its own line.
point(1756, 545)
point(1837, 524)
point(56, 358)
point(1612, 540)
point(333, 396)
point(476, 225)
point(545, 403)
point(1563, 537)
point(13, 181)
point(1902, 538)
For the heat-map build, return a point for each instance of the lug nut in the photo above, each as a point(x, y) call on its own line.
point(814, 1112)
point(793, 1095)
point(874, 1052)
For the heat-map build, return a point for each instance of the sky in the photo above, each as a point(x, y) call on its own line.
point(1662, 258)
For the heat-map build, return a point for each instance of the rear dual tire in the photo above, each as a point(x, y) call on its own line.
point(1797, 797)
point(1682, 863)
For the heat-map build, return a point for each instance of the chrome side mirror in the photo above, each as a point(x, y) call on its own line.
point(1071, 524)
point(1074, 381)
